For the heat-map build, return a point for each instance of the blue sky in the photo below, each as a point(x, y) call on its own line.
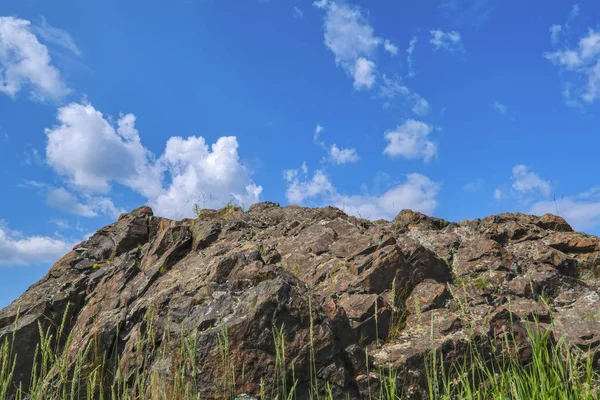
point(455, 108)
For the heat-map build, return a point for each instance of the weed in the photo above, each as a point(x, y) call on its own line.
point(481, 283)
point(163, 269)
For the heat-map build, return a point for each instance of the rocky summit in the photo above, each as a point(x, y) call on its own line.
point(349, 297)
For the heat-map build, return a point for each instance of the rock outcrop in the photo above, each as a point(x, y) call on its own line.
point(335, 285)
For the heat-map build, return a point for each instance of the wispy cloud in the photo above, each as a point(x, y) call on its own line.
point(467, 12)
point(449, 41)
point(335, 154)
point(25, 63)
point(409, 56)
point(499, 107)
point(578, 63)
point(56, 36)
point(474, 186)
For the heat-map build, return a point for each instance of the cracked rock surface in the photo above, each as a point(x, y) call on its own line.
point(386, 292)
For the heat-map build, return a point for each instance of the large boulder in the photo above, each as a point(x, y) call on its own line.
point(345, 297)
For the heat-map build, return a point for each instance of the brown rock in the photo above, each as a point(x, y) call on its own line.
point(292, 268)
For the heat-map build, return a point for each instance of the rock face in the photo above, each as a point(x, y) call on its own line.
point(395, 290)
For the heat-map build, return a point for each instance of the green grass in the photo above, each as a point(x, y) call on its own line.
point(555, 371)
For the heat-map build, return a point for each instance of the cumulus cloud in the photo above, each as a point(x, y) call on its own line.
point(298, 13)
point(449, 41)
point(17, 249)
point(411, 140)
point(417, 193)
point(25, 63)
point(300, 188)
point(525, 181)
point(93, 155)
point(209, 176)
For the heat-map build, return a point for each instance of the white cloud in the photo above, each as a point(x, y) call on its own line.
point(421, 106)
point(317, 136)
point(318, 130)
point(364, 74)
point(474, 186)
point(574, 13)
point(60, 223)
point(581, 214)
point(390, 47)
point(62, 199)
point(498, 194)
point(210, 176)
point(59, 37)
point(409, 56)
point(300, 190)
point(449, 41)
point(298, 13)
point(472, 12)
point(26, 64)
point(554, 33)
point(342, 156)
point(499, 107)
point(410, 140)
point(351, 39)
point(334, 153)
point(16, 249)
point(579, 63)
point(417, 193)
point(93, 155)
point(391, 88)
point(525, 181)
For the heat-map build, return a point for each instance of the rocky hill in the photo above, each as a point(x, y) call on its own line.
point(346, 286)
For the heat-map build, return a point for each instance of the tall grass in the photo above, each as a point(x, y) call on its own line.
point(554, 371)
